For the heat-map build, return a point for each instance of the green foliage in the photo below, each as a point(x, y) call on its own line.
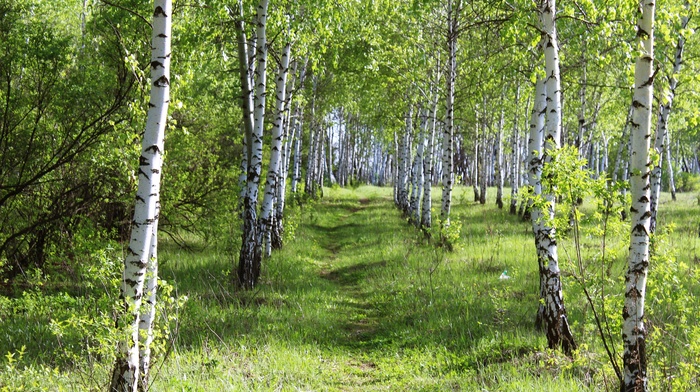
point(447, 235)
point(63, 108)
point(674, 337)
point(49, 332)
point(688, 182)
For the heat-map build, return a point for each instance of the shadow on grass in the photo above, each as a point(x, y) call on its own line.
point(355, 280)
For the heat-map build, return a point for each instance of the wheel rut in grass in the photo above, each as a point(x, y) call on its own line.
point(348, 274)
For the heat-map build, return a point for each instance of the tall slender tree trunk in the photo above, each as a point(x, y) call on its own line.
point(401, 171)
point(408, 147)
point(141, 251)
point(448, 136)
point(329, 156)
point(427, 218)
point(310, 188)
point(662, 127)
point(557, 324)
point(311, 159)
point(404, 163)
point(251, 251)
point(582, 108)
point(476, 167)
point(418, 168)
point(535, 163)
point(245, 74)
point(484, 163)
point(623, 147)
point(293, 130)
point(148, 310)
point(299, 136)
point(320, 160)
point(273, 171)
point(515, 167)
point(669, 167)
point(396, 169)
point(633, 329)
point(499, 159)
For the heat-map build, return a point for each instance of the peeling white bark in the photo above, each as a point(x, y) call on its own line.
point(427, 218)
point(250, 254)
point(633, 328)
point(142, 244)
point(662, 137)
point(273, 171)
point(448, 135)
point(557, 325)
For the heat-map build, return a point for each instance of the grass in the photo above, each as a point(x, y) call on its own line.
point(361, 301)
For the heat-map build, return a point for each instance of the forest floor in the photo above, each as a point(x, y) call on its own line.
point(360, 300)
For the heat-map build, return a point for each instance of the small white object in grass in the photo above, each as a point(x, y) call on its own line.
point(504, 275)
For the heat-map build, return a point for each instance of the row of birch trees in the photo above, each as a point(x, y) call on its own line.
point(633, 162)
point(442, 94)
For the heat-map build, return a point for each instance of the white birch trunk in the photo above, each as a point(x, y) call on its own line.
point(296, 147)
point(557, 325)
point(515, 166)
point(623, 147)
point(669, 167)
point(402, 180)
point(273, 170)
point(476, 165)
point(296, 170)
point(483, 163)
point(499, 160)
point(311, 160)
point(418, 170)
point(292, 129)
point(138, 259)
point(662, 128)
point(397, 168)
point(582, 110)
point(633, 328)
point(329, 156)
point(245, 75)
point(320, 161)
point(535, 163)
point(427, 218)
point(448, 135)
point(251, 251)
point(148, 310)
point(405, 203)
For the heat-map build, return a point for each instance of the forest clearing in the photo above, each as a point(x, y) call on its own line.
point(349, 195)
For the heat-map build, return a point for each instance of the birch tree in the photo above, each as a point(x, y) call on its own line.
point(515, 164)
point(633, 328)
point(141, 252)
point(273, 172)
point(426, 219)
point(448, 135)
point(251, 252)
point(557, 325)
point(245, 76)
point(418, 171)
point(661, 138)
point(535, 149)
point(499, 157)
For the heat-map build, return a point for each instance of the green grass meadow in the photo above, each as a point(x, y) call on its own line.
point(359, 300)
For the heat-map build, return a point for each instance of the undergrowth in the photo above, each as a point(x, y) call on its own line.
point(360, 300)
